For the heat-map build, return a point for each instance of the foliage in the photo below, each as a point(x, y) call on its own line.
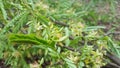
point(38, 33)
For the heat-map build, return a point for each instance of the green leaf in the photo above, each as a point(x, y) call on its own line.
point(67, 33)
point(19, 24)
point(43, 19)
point(91, 28)
point(70, 63)
point(3, 9)
point(12, 22)
point(29, 39)
point(113, 47)
point(32, 4)
point(53, 53)
point(75, 41)
point(81, 64)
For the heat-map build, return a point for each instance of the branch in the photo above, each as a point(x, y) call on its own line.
point(114, 33)
point(60, 23)
point(111, 65)
point(113, 58)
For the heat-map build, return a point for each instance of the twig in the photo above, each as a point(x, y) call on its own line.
point(69, 48)
point(111, 65)
point(113, 58)
point(115, 33)
point(60, 23)
point(71, 37)
point(58, 63)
